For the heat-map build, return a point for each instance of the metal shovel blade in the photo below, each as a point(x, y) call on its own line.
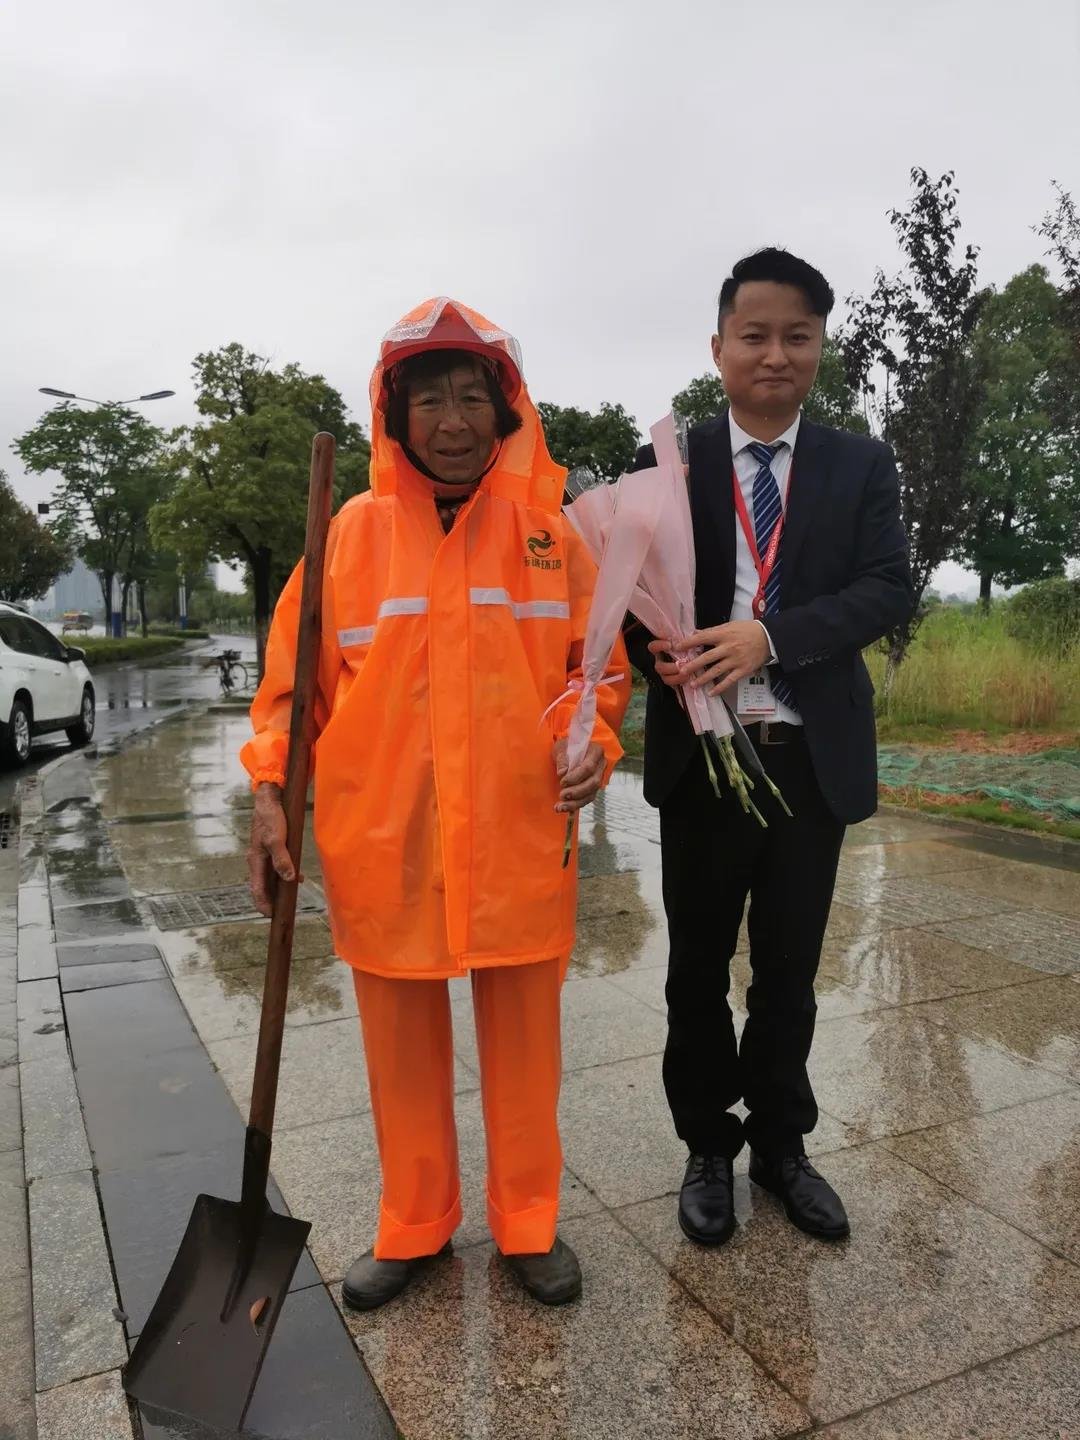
point(202, 1347)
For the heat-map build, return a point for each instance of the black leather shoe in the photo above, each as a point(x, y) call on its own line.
point(370, 1283)
point(707, 1200)
point(809, 1201)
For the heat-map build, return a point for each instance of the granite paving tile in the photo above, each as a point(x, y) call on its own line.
point(889, 827)
point(889, 1072)
point(179, 873)
point(1033, 937)
point(234, 946)
point(75, 1330)
point(1033, 1394)
point(618, 1136)
point(74, 978)
point(34, 908)
point(54, 1139)
point(41, 1020)
point(14, 1236)
point(37, 953)
point(1022, 1164)
point(1024, 884)
point(229, 1002)
point(904, 901)
point(1039, 1021)
point(927, 1286)
point(312, 1385)
point(102, 882)
point(84, 922)
point(329, 1175)
point(17, 1348)
point(147, 1209)
point(913, 857)
point(92, 1409)
point(109, 952)
point(906, 966)
point(634, 1357)
point(10, 1109)
point(600, 1024)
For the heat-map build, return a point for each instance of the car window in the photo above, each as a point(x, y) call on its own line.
point(9, 632)
point(29, 638)
point(43, 642)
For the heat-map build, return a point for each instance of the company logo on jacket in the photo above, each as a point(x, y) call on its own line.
point(541, 543)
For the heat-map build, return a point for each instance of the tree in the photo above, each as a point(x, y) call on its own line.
point(32, 556)
point(242, 475)
point(702, 399)
point(913, 339)
point(111, 464)
point(1025, 472)
point(604, 443)
point(833, 400)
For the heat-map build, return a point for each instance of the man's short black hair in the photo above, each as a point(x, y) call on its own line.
point(779, 267)
point(432, 365)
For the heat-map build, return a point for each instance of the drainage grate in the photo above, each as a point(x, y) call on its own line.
point(211, 907)
point(7, 829)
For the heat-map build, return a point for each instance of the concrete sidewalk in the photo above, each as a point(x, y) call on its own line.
point(947, 1067)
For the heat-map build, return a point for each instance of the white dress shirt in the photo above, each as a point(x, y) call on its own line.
point(746, 576)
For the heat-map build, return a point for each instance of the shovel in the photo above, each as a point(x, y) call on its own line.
point(203, 1345)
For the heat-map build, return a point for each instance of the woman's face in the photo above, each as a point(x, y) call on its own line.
point(452, 423)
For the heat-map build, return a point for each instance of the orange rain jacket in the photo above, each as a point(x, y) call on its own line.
point(435, 785)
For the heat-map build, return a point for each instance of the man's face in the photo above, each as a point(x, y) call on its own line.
point(452, 423)
point(769, 348)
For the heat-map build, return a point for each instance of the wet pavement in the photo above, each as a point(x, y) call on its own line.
point(947, 1068)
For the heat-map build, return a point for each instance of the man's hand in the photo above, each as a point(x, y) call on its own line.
point(666, 668)
point(732, 651)
point(580, 785)
point(267, 852)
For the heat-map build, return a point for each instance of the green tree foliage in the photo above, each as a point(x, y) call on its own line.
point(604, 443)
point(909, 346)
point(112, 468)
point(1046, 616)
point(242, 474)
point(833, 400)
point(32, 556)
point(1025, 472)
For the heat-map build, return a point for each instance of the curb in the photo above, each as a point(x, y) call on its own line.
point(79, 1343)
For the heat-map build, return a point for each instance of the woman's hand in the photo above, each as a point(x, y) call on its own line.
point(580, 785)
point(267, 853)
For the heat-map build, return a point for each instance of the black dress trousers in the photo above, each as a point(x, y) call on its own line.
point(715, 857)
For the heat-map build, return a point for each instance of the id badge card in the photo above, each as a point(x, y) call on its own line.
point(755, 700)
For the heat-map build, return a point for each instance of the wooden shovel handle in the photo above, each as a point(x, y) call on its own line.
point(301, 739)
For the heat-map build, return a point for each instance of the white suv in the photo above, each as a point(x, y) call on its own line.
point(44, 685)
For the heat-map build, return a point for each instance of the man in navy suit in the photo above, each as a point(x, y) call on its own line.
point(802, 561)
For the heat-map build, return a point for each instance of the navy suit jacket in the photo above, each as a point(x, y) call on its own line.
point(845, 581)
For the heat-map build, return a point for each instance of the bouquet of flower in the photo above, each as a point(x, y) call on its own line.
point(644, 520)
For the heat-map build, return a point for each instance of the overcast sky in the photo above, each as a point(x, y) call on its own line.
point(294, 174)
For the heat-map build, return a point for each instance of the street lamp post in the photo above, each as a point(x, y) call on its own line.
point(116, 619)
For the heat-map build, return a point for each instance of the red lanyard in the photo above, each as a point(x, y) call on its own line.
point(764, 567)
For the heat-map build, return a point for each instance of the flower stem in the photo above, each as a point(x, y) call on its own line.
point(569, 845)
point(710, 767)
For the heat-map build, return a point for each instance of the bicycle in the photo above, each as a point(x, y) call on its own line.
point(232, 673)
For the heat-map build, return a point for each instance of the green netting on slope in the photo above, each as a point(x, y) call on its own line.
point(1048, 782)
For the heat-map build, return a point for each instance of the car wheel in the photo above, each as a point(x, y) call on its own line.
point(83, 732)
point(17, 744)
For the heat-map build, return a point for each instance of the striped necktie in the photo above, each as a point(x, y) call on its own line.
point(768, 511)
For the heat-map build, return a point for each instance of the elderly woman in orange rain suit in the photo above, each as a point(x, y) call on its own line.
point(454, 613)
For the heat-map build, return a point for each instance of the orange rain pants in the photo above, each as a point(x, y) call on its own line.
point(410, 1062)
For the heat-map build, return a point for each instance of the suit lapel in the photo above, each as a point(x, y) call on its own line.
point(713, 511)
point(806, 494)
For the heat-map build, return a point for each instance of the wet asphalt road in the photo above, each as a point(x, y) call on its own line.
point(132, 696)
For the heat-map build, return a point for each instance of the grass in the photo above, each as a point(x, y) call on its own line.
point(103, 650)
point(964, 672)
point(976, 807)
